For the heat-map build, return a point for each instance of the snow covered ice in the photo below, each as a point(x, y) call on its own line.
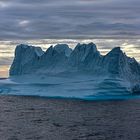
point(79, 73)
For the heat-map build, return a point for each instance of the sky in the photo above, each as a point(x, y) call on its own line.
point(108, 23)
point(41, 19)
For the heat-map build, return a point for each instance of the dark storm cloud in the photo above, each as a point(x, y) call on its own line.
point(38, 19)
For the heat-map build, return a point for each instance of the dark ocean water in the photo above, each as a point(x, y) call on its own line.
point(34, 118)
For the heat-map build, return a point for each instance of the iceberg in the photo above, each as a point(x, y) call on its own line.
point(80, 72)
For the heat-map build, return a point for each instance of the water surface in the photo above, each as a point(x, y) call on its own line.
point(35, 118)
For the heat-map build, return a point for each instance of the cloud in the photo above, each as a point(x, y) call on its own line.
point(34, 19)
point(24, 23)
point(6, 61)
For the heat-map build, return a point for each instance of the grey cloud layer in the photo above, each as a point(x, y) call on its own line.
point(39, 19)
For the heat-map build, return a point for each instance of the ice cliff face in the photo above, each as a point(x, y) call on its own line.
point(25, 56)
point(121, 65)
point(85, 57)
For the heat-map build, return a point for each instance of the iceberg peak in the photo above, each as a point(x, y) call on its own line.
point(63, 48)
point(86, 47)
point(24, 47)
point(116, 50)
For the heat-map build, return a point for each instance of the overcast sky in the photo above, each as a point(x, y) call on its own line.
point(41, 19)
